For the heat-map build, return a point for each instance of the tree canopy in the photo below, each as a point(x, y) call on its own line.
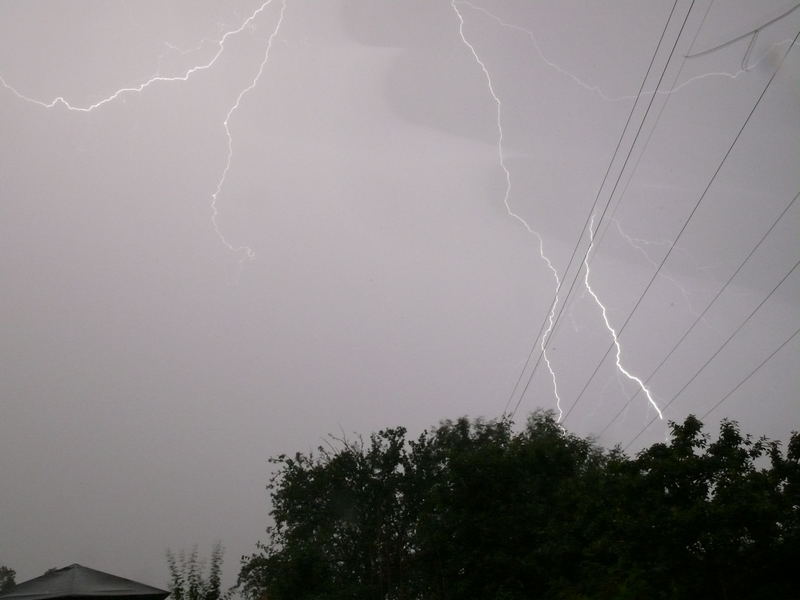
point(473, 509)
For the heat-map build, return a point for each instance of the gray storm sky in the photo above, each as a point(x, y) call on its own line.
point(148, 372)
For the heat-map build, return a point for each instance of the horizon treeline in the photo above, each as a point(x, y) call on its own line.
point(473, 510)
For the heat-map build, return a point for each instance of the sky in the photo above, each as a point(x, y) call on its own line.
point(231, 229)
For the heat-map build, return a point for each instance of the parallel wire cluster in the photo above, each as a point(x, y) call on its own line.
point(552, 320)
point(673, 244)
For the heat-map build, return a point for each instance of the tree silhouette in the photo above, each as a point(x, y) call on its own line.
point(472, 509)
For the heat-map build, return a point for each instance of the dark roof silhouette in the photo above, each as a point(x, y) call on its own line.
point(76, 581)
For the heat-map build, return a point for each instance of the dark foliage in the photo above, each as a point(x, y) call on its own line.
point(474, 510)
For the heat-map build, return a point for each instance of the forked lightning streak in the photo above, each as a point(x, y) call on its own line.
point(746, 65)
point(506, 200)
point(611, 329)
point(137, 89)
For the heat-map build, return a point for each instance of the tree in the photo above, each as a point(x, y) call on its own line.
point(473, 509)
point(341, 527)
point(7, 580)
point(186, 575)
point(702, 519)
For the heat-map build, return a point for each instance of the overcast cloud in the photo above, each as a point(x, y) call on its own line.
point(149, 371)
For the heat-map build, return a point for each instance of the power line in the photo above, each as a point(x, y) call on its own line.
point(718, 350)
point(702, 314)
point(583, 228)
point(750, 374)
point(655, 124)
point(616, 183)
point(686, 223)
point(753, 31)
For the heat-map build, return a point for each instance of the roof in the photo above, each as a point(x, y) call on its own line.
point(76, 581)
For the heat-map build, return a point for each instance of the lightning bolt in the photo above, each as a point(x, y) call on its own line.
point(60, 100)
point(185, 76)
point(506, 202)
point(746, 68)
point(173, 48)
point(556, 67)
point(635, 243)
point(610, 328)
point(640, 245)
point(248, 253)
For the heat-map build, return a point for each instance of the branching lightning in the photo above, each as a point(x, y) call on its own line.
point(248, 252)
point(173, 48)
point(746, 65)
point(640, 244)
point(60, 100)
point(556, 67)
point(637, 244)
point(610, 328)
point(187, 74)
point(506, 202)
